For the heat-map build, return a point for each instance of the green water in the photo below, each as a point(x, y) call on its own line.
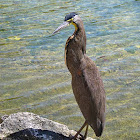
point(33, 75)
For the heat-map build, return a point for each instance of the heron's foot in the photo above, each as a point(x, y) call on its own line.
point(79, 137)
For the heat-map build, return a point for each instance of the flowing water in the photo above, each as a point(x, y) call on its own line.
point(34, 77)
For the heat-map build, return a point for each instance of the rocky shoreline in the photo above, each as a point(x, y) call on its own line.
point(29, 126)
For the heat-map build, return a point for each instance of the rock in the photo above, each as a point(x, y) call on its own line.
point(28, 126)
point(2, 118)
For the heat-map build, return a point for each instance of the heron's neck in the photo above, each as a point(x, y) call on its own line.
point(75, 49)
point(80, 35)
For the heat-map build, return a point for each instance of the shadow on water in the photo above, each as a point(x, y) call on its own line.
point(35, 134)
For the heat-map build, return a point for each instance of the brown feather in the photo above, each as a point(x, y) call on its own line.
point(87, 84)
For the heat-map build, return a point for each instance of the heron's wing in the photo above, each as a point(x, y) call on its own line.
point(95, 89)
point(94, 84)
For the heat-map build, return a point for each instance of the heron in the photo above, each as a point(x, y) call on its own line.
point(87, 83)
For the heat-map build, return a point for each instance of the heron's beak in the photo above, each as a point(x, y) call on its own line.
point(63, 25)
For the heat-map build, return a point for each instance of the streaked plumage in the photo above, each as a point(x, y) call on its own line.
point(87, 84)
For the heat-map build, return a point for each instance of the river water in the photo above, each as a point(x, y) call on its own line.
point(33, 75)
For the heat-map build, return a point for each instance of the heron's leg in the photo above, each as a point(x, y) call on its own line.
point(86, 132)
point(85, 123)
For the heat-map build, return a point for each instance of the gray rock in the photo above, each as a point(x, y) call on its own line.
point(28, 126)
point(2, 118)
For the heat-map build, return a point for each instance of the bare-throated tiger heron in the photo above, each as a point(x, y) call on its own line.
point(87, 84)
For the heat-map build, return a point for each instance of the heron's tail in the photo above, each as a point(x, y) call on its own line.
point(99, 128)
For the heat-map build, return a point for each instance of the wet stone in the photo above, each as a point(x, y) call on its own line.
point(29, 126)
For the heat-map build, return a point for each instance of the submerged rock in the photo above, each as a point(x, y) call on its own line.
point(28, 126)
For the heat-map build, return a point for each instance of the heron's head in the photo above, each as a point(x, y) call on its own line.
point(71, 18)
